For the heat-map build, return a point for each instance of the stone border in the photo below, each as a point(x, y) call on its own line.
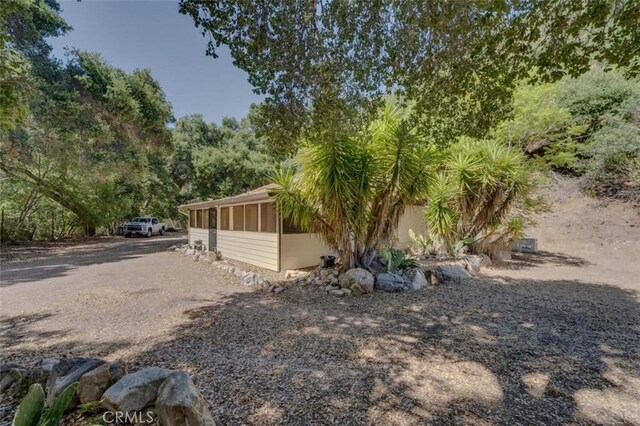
point(247, 278)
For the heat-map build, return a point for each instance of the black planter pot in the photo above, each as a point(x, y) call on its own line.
point(327, 261)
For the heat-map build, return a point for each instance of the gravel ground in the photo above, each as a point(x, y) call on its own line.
point(530, 344)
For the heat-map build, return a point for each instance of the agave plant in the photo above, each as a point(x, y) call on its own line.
point(482, 196)
point(352, 190)
point(30, 411)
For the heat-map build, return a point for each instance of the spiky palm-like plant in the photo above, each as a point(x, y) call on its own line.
point(353, 190)
point(482, 192)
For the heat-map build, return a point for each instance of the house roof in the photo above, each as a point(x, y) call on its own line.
point(255, 195)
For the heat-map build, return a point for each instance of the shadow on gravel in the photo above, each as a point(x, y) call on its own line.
point(18, 330)
point(58, 265)
point(532, 260)
point(535, 352)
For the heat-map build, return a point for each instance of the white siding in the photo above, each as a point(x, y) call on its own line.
point(196, 234)
point(255, 248)
point(301, 250)
point(411, 219)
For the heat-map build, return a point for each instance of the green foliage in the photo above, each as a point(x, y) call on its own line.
point(352, 190)
point(483, 186)
point(586, 126)
point(397, 259)
point(422, 244)
point(30, 409)
point(326, 66)
point(30, 412)
point(213, 161)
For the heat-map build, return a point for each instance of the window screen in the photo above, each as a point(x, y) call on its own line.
point(268, 217)
point(224, 218)
point(192, 218)
point(251, 217)
point(198, 218)
point(238, 218)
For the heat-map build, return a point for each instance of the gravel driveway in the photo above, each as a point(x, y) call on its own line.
point(112, 298)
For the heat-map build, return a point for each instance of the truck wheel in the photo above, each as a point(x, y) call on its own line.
point(161, 231)
point(149, 233)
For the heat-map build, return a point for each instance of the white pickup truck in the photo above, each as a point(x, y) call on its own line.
point(146, 226)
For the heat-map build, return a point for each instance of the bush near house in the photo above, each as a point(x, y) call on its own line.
point(352, 190)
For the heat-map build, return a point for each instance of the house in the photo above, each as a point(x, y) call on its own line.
point(248, 228)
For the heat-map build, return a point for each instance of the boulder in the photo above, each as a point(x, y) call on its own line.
point(66, 372)
point(94, 383)
point(179, 403)
point(454, 273)
point(474, 263)
point(386, 281)
point(358, 280)
point(11, 373)
point(135, 391)
point(249, 279)
point(414, 279)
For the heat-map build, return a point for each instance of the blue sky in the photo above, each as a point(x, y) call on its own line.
point(153, 34)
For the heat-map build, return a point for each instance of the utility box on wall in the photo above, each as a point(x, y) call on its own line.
point(526, 245)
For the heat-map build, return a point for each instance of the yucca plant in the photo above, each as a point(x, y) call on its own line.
point(481, 196)
point(30, 411)
point(352, 190)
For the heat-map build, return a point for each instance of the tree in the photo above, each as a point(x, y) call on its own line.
point(482, 195)
point(88, 137)
point(353, 190)
point(325, 65)
point(212, 161)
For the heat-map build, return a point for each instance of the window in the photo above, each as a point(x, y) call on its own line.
point(238, 218)
point(205, 219)
point(251, 217)
point(198, 218)
point(224, 218)
point(154, 221)
point(289, 228)
point(268, 217)
point(192, 218)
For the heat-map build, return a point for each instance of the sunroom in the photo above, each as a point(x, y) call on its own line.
point(247, 228)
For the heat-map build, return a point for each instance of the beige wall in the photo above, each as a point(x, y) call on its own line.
point(301, 251)
point(411, 219)
point(255, 248)
point(196, 234)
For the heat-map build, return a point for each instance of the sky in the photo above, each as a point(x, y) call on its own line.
point(153, 34)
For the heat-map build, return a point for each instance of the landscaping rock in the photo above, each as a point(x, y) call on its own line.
point(357, 280)
point(339, 292)
point(332, 287)
point(9, 374)
point(278, 289)
point(386, 281)
point(179, 403)
point(66, 372)
point(474, 263)
point(415, 279)
point(135, 391)
point(454, 273)
point(249, 279)
point(94, 383)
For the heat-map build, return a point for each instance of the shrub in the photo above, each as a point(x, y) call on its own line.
point(482, 197)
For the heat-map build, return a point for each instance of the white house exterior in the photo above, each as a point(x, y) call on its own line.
point(247, 228)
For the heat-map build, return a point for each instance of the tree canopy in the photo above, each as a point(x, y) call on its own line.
point(326, 64)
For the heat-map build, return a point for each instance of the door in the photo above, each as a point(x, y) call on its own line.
point(213, 225)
